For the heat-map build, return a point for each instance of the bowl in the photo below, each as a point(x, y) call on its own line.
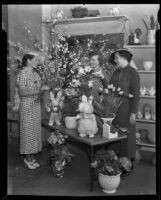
point(147, 65)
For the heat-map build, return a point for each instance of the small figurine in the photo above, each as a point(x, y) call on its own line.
point(147, 111)
point(87, 124)
point(54, 107)
point(151, 91)
point(136, 40)
point(137, 36)
point(143, 90)
point(139, 115)
point(114, 11)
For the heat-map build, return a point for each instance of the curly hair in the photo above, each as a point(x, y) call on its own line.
point(99, 57)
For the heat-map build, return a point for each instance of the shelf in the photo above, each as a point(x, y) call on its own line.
point(139, 46)
point(147, 97)
point(88, 20)
point(145, 121)
point(146, 72)
point(142, 144)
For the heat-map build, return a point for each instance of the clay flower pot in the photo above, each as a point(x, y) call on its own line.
point(70, 122)
point(109, 184)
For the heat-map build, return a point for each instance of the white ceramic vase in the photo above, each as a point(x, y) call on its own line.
point(151, 37)
point(109, 184)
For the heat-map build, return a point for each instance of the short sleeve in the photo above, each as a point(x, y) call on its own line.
point(23, 80)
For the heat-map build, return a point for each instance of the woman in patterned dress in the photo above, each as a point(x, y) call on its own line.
point(29, 85)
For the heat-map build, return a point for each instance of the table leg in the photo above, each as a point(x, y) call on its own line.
point(91, 169)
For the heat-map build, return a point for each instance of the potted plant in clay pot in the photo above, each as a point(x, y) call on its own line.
point(151, 30)
point(59, 156)
point(109, 168)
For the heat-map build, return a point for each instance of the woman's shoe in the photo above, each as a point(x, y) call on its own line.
point(35, 163)
point(29, 165)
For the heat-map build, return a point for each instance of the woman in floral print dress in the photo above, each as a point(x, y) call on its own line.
point(29, 85)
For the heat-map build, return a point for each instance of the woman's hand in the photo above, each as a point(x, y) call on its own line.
point(99, 74)
point(44, 88)
point(132, 118)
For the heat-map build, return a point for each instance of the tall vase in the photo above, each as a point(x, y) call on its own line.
point(151, 37)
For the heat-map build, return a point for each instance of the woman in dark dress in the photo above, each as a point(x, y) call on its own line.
point(127, 78)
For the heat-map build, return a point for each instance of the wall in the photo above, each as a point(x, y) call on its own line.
point(17, 15)
point(135, 12)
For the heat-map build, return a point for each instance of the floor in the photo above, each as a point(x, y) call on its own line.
point(76, 179)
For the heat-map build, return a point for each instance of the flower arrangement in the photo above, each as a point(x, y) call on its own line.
point(59, 156)
point(112, 98)
point(153, 23)
point(107, 162)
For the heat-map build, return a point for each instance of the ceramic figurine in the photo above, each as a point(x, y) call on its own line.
point(114, 11)
point(137, 36)
point(151, 91)
point(147, 110)
point(87, 125)
point(142, 91)
point(16, 100)
point(139, 115)
point(136, 40)
point(54, 107)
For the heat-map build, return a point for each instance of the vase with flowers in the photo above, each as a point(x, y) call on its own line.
point(111, 99)
point(59, 156)
point(109, 167)
point(151, 29)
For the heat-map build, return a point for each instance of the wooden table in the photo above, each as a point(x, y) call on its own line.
point(91, 143)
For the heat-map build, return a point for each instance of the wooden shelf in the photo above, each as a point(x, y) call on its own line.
point(88, 20)
point(139, 46)
point(146, 72)
point(147, 97)
point(145, 121)
point(146, 145)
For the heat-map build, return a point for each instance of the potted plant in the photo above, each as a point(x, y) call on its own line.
point(151, 30)
point(109, 168)
point(59, 156)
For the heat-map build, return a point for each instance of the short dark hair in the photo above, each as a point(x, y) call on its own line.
point(100, 59)
point(122, 53)
point(25, 58)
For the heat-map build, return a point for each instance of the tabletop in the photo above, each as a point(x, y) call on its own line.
point(73, 133)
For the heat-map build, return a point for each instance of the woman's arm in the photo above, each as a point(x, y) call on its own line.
point(135, 90)
point(25, 93)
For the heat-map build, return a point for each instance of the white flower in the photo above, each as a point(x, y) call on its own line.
point(121, 93)
point(87, 69)
point(109, 86)
point(131, 95)
point(106, 91)
point(90, 84)
point(81, 71)
point(113, 89)
point(119, 89)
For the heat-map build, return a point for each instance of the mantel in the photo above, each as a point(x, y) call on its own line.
point(88, 20)
point(91, 25)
